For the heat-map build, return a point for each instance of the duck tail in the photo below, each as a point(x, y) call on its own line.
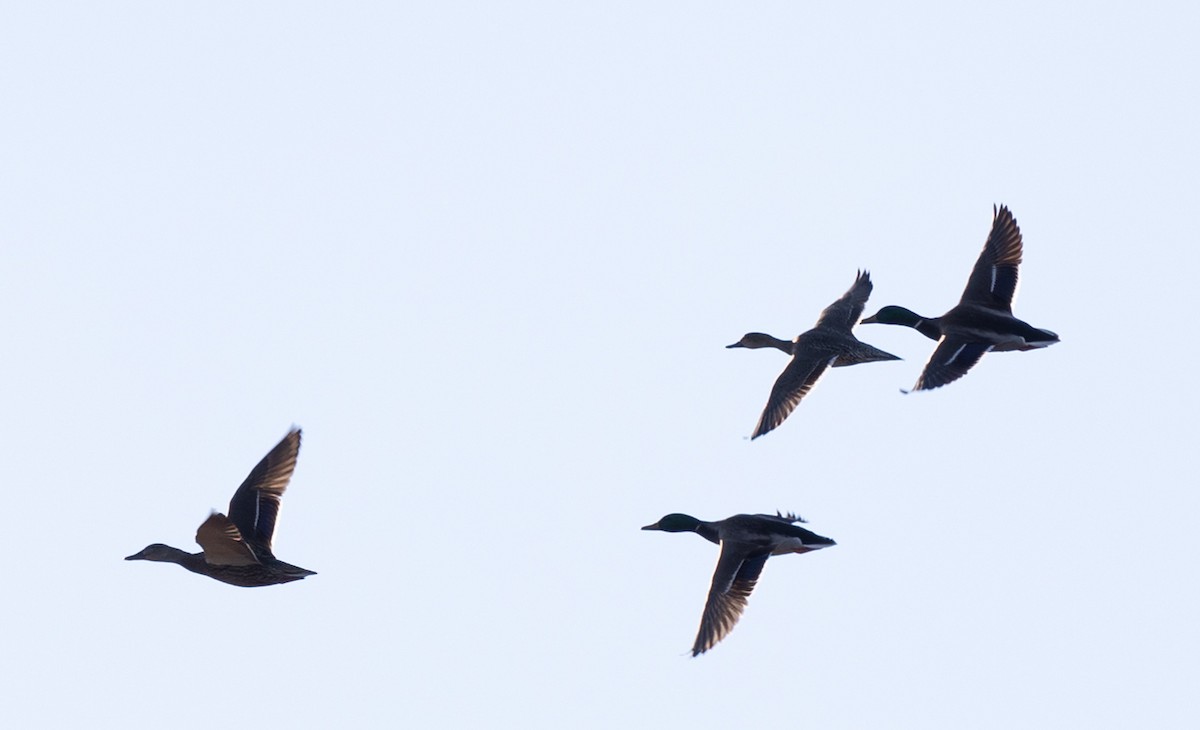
point(1045, 339)
point(863, 353)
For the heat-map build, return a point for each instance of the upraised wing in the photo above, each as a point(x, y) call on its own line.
point(993, 281)
point(255, 504)
point(845, 312)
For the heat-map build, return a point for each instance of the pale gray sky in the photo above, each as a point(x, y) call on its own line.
point(488, 257)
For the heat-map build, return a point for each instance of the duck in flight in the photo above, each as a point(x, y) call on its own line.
point(830, 343)
point(983, 320)
point(746, 542)
point(237, 549)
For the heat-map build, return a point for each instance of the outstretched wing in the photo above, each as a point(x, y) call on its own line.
point(949, 362)
point(993, 281)
point(845, 312)
point(255, 504)
point(796, 380)
point(733, 581)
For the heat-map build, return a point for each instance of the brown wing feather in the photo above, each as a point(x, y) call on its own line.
point(846, 311)
point(796, 380)
point(733, 581)
point(993, 281)
point(222, 542)
point(255, 504)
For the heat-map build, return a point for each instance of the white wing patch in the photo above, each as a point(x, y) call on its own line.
point(954, 357)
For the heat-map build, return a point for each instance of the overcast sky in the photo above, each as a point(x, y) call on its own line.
point(488, 256)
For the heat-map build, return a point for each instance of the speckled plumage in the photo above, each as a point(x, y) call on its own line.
point(237, 548)
point(831, 343)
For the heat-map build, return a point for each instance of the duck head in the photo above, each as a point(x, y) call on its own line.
point(755, 340)
point(157, 552)
point(892, 314)
point(675, 522)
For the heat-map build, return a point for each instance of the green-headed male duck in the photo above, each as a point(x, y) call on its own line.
point(746, 542)
point(983, 320)
point(830, 343)
point(237, 548)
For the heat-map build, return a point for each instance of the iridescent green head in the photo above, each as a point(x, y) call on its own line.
point(675, 523)
point(894, 315)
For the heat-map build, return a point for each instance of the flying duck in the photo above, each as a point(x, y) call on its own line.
point(830, 343)
point(237, 549)
point(983, 320)
point(746, 542)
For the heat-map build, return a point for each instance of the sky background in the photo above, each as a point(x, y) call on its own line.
point(488, 256)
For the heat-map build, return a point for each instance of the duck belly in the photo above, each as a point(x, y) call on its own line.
point(794, 545)
point(1043, 338)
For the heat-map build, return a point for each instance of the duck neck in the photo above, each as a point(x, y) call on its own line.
point(931, 328)
point(194, 562)
point(786, 345)
point(708, 532)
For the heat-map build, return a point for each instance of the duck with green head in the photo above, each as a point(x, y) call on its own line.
point(830, 343)
point(746, 542)
point(237, 549)
point(982, 321)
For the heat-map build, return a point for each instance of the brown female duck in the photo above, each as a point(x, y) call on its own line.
point(831, 343)
point(237, 548)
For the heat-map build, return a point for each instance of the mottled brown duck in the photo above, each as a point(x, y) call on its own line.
point(831, 343)
point(237, 549)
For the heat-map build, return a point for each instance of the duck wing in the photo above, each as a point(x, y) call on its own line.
point(845, 312)
point(951, 360)
point(993, 281)
point(733, 581)
point(255, 504)
point(796, 380)
point(222, 542)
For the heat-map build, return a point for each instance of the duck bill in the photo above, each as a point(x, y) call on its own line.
point(652, 527)
point(869, 320)
point(736, 344)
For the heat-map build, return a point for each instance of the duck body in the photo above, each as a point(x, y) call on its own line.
point(237, 548)
point(746, 542)
point(973, 322)
point(982, 321)
point(831, 343)
point(267, 572)
point(1003, 331)
point(776, 534)
point(841, 351)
